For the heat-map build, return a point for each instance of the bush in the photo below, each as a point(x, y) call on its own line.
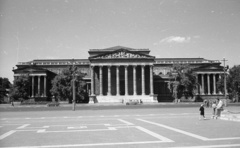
point(32, 102)
point(53, 104)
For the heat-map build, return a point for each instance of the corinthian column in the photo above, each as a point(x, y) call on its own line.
point(214, 84)
point(45, 86)
point(134, 81)
point(208, 81)
point(109, 80)
point(151, 80)
point(126, 80)
point(100, 73)
point(92, 81)
point(117, 69)
point(143, 80)
point(33, 86)
point(39, 90)
point(203, 89)
point(197, 85)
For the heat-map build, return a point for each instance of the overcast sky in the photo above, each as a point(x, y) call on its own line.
point(62, 29)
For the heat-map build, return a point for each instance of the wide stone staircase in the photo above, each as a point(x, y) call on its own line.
point(228, 115)
point(123, 99)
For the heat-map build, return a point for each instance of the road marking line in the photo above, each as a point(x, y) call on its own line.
point(68, 131)
point(126, 122)
point(227, 138)
point(176, 130)
point(23, 126)
point(210, 146)
point(7, 134)
point(188, 133)
point(79, 127)
point(92, 144)
point(164, 139)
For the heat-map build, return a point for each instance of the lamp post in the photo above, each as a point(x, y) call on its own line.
point(174, 74)
point(74, 95)
point(225, 81)
point(74, 89)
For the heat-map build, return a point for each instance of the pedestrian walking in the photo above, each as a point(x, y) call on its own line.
point(202, 114)
point(214, 106)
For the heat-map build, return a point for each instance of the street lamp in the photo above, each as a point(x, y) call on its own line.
point(73, 85)
point(74, 94)
point(174, 74)
point(225, 81)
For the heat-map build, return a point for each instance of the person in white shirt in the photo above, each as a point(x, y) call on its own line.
point(214, 106)
point(219, 108)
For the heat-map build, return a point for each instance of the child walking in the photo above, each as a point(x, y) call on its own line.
point(201, 109)
point(214, 106)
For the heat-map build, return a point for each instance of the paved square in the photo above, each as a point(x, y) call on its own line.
point(116, 128)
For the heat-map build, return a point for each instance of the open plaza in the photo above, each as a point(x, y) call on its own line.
point(147, 125)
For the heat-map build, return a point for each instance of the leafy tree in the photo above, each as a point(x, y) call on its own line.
point(232, 82)
point(185, 82)
point(20, 88)
point(62, 84)
point(4, 84)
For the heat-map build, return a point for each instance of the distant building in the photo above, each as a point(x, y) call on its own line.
point(118, 73)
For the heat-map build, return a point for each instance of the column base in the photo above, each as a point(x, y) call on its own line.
point(92, 99)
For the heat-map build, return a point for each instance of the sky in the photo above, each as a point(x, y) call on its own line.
point(66, 29)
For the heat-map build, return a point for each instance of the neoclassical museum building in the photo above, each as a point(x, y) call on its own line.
point(118, 73)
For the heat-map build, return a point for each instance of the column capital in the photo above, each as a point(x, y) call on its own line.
point(134, 66)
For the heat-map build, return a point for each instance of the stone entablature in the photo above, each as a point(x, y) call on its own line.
point(56, 62)
point(184, 61)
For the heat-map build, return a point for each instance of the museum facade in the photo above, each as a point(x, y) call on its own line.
point(120, 73)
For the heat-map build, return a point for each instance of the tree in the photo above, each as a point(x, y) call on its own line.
point(20, 88)
point(185, 82)
point(233, 82)
point(4, 85)
point(62, 84)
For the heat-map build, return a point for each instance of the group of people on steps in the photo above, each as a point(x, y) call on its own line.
point(217, 107)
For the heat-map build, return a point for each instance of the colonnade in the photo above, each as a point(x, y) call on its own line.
point(126, 73)
point(39, 85)
point(208, 84)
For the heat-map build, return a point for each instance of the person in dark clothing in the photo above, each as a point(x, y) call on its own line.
point(202, 115)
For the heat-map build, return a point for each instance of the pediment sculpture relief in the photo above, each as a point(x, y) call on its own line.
point(121, 54)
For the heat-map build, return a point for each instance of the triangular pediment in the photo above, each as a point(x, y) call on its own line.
point(29, 69)
point(118, 48)
point(210, 67)
point(122, 54)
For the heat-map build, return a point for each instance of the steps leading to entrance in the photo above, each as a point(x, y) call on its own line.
point(121, 99)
